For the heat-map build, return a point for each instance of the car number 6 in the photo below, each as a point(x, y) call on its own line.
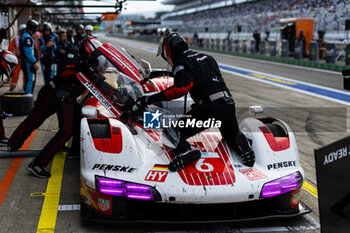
point(204, 167)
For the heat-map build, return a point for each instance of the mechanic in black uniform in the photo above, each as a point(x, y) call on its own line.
point(199, 75)
point(58, 96)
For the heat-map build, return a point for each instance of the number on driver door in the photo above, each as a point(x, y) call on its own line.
point(204, 167)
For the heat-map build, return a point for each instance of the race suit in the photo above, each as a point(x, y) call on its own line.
point(199, 75)
point(77, 38)
point(58, 96)
point(47, 57)
point(29, 53)
point(14, 47)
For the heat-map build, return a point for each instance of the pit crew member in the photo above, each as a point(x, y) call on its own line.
point(14, 47)
point(8, 61)
point(199, 75)
point(58, 96)
point(47, 45)
point(29, 56)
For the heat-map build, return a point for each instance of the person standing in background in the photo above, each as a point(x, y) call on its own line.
point(301, 38)
point(62, 46)
point(89, 30)
point(15, 48)
point(70, 38)
point(256, 36)
point(29, 55)
point(79, 30)
point(47, 47)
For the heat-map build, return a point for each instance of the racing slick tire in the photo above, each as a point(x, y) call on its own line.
point(17, 104)
point(276, 130)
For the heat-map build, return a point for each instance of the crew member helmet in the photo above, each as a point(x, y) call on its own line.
point(7, 63)
point(32, 25)
point(170, 45)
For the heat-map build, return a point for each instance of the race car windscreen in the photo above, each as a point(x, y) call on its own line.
point(125, 88)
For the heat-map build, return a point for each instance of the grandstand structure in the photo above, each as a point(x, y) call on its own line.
point(246, 16)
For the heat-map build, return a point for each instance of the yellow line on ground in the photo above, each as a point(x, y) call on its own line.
point(48, 215)
point(310, 189)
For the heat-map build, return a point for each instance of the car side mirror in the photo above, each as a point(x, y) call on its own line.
point(254, 110)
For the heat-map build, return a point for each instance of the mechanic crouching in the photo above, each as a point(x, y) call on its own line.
point(8, 61)
point(199, 75)
point(57, 96)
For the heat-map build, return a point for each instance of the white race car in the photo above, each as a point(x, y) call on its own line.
point(124, 162)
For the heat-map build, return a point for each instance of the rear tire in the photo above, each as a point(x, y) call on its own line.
point(17, 104)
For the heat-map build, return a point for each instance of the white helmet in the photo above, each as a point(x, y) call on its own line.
point(8, 61)
point(89, 28)
point(22, 27)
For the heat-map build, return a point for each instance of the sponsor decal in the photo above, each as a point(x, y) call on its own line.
point(237, 165)
point(156, 176)
point(70, 55)
point(117, 168)
point(295, 198)
point(98, 95)
point(103, 204)
point(336, 155)
point(28, 42)
point(253, 173)
point(177, 69)
point(282, 165)
point(160, 167)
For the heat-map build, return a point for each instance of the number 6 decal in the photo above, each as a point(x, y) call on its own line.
point(204, 167)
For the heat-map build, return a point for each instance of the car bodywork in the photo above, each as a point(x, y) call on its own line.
point(124, 174)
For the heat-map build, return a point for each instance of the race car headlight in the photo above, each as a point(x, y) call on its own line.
point(283, 185)
point(126, 189)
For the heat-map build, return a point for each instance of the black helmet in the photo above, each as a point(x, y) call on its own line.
point(80, 26)
point(32, 25)
point(47, 26)
point(171, 44)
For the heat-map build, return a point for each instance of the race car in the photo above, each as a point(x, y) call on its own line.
point(125, 154)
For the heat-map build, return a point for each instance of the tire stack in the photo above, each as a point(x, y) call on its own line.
point(17, 104)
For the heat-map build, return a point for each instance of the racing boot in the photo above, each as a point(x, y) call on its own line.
point(247, 155)
point(182, 160)
point(248, 158)
point(37, 170)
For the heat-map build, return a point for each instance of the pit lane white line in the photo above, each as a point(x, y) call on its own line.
point(74, 207)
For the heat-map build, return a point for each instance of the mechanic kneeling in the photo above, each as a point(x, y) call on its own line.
point(58, 96)
point(8, 61)
point(199, 75)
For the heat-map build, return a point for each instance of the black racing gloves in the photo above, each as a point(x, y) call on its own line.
point(147, 100)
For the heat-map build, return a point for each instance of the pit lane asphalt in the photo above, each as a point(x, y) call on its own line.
point(20, 212)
